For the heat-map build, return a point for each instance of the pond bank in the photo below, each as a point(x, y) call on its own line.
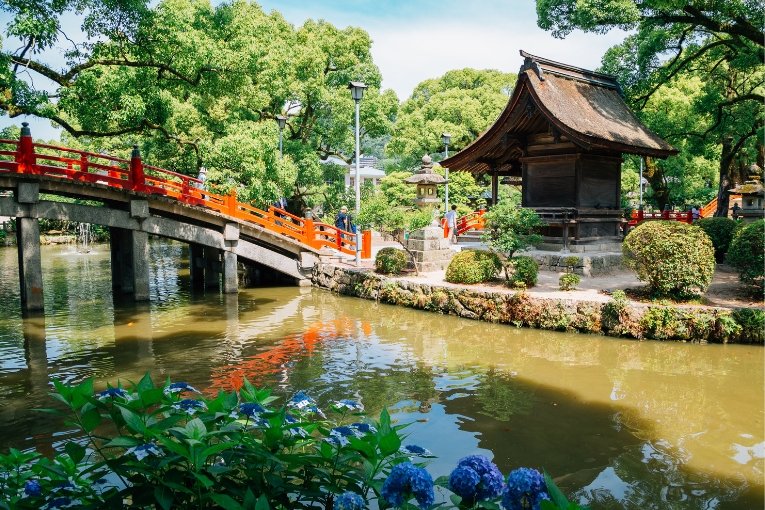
point(614, 317)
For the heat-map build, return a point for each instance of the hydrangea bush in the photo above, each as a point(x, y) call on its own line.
point(150, 446)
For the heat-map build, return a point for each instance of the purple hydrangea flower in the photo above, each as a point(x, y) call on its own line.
point(476, 478)
point(179, 387)
point(189, 406)
point(349, 501)
point(32, 488)
point(407, 480)
point(525, 490)
point(144, 450)
point(416, 451)
point(349, 405)
point(111, 393)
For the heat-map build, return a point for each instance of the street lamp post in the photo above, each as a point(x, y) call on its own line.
point(357, 93)
point(281, 120)
point(446, 138)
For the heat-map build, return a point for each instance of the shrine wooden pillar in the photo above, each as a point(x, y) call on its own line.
point(494, 187)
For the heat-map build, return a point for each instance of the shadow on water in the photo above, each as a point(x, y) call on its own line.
point(621, 424)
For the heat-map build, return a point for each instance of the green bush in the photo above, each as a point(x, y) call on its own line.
point(471, 266)
point(522, 272)
point(391, 261)
point(746, 253)
point(752, 322)
point(720, 231)
point(569, 281)
point(675, 259)
point(167, 446)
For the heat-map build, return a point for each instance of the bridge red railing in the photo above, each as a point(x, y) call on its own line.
point(471, 221)
point(23, 156)
point(639, 216)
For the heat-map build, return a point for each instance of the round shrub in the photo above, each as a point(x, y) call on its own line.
point(675, 259)
point(720, 231)
point(470, 266)
point(522, 272)
point(746, 254)
point(390, 261)
point(568, 281)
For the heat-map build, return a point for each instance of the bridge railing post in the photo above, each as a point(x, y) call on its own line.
point(231, 202)
point(25, 154)
point(309, 237)
point(137, 178)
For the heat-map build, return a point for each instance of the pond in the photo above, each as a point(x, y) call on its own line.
point(618, 423)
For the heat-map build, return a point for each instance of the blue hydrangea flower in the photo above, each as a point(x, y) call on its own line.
point(416, 451)
point(407, 480)
point(189, 406)
point(112, 393)
point(32, 488)
point(525, 490)
point(62, 502)
point(144, 450)
point(302, 402)
point(363, 428)
point(179, 387)
point(291, 427)
point(250, 409)
point(348, 405)
point(339, 435)
point(349, 501)
point(476, 478)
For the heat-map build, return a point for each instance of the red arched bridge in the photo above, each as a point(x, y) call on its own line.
point(136, 200)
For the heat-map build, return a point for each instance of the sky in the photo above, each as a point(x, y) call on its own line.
point(415, 40)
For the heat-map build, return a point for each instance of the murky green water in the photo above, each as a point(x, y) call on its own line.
point(619, 423)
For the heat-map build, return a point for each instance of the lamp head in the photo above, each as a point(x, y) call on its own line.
point(357, 90)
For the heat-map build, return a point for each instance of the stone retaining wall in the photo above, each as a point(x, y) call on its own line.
point(615, 318)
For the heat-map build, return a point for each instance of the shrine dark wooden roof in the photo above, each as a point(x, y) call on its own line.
point(584, 107)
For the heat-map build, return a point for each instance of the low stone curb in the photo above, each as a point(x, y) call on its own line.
point(619, 319)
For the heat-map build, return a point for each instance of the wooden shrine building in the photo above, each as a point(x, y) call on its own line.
point(563, 131)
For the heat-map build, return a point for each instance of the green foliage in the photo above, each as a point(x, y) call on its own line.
point(462, 102)
point(664, 322)
point(391, 261)
point(752, 323)
point(569, 281)
point(196, 84)
point(720, 230)
point(472, 266)
point(674, 259)
point(747, 254)
point(396, 191)
point(147, 447)
point(521, 272)
point(510, 228)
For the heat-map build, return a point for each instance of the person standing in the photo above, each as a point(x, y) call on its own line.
point(451, 223)
point(695, 212)
point(343, 221)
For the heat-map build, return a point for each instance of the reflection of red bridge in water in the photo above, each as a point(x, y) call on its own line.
point(24, 157)
point(273, 361)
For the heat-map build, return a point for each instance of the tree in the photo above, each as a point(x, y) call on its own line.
point(719, 41)
point(510, 228)
point(197, 85)
point(462, 103)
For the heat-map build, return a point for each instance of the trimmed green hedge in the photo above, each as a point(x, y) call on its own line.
point(720, 231)
point(747, 254)
point(675, 259)
point(523, 272)
point(391, 261)
point(569, 281)
point(471, 266)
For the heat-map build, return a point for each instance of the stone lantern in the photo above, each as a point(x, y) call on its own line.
point(427, 182)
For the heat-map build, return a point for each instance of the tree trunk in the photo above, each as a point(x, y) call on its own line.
point(655, 177)
point(726, 183)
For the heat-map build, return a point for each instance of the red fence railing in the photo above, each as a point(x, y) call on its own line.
point(25, 157)
point(639, 216)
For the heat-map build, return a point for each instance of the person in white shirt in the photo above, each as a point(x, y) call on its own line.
point(451, 222)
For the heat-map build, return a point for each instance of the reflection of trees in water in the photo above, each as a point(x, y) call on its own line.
point(500, 397)
point(651, 475)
